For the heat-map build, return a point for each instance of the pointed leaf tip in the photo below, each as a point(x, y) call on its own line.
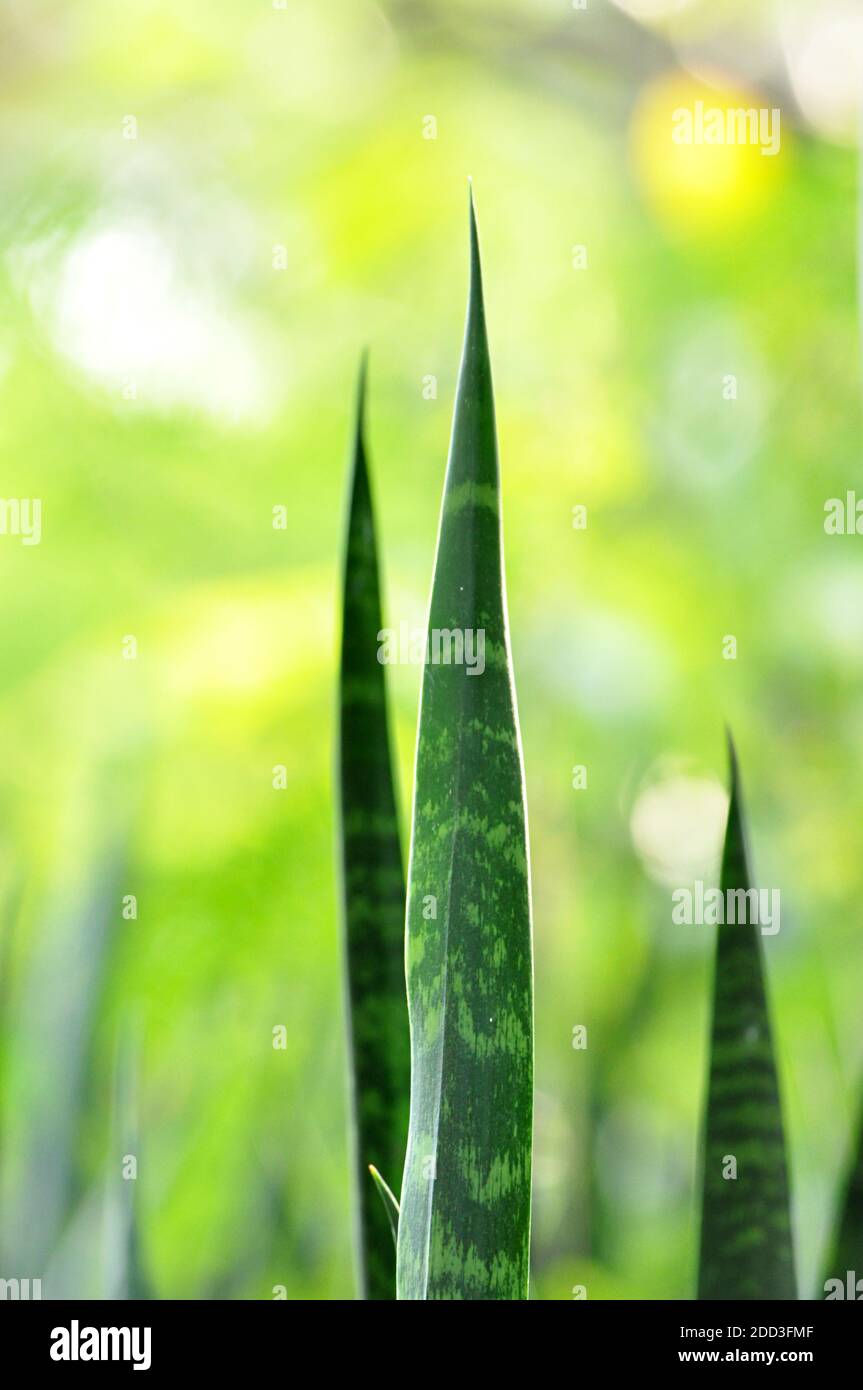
point(475, 295)
point(362, 377)
point(474, 230)
point(729, 743)
point(391, 1206)
point(733, 765)
point(358, 448)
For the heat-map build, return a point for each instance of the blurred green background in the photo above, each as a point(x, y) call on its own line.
point(206, 212)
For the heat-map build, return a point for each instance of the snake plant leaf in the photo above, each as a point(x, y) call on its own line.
point(373, 889)
point(391, 1206)
point(746, 1242)
point(464, 1229)
point(846, 1256)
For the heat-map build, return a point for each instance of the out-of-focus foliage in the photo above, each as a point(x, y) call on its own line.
point(181, 317)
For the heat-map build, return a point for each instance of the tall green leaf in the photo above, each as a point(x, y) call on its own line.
point(373, 890)
point(464, 1229)
point(846, 1255)
point(746, 1244)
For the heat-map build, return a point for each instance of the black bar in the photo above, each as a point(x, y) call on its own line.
point(258, 1338)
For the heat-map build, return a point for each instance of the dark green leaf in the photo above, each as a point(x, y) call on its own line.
point(464, 1229)
point(746, 1244)
point(373, 889)
point(846, 1256)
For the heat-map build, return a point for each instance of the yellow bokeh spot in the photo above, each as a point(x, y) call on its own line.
point(707, 157)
